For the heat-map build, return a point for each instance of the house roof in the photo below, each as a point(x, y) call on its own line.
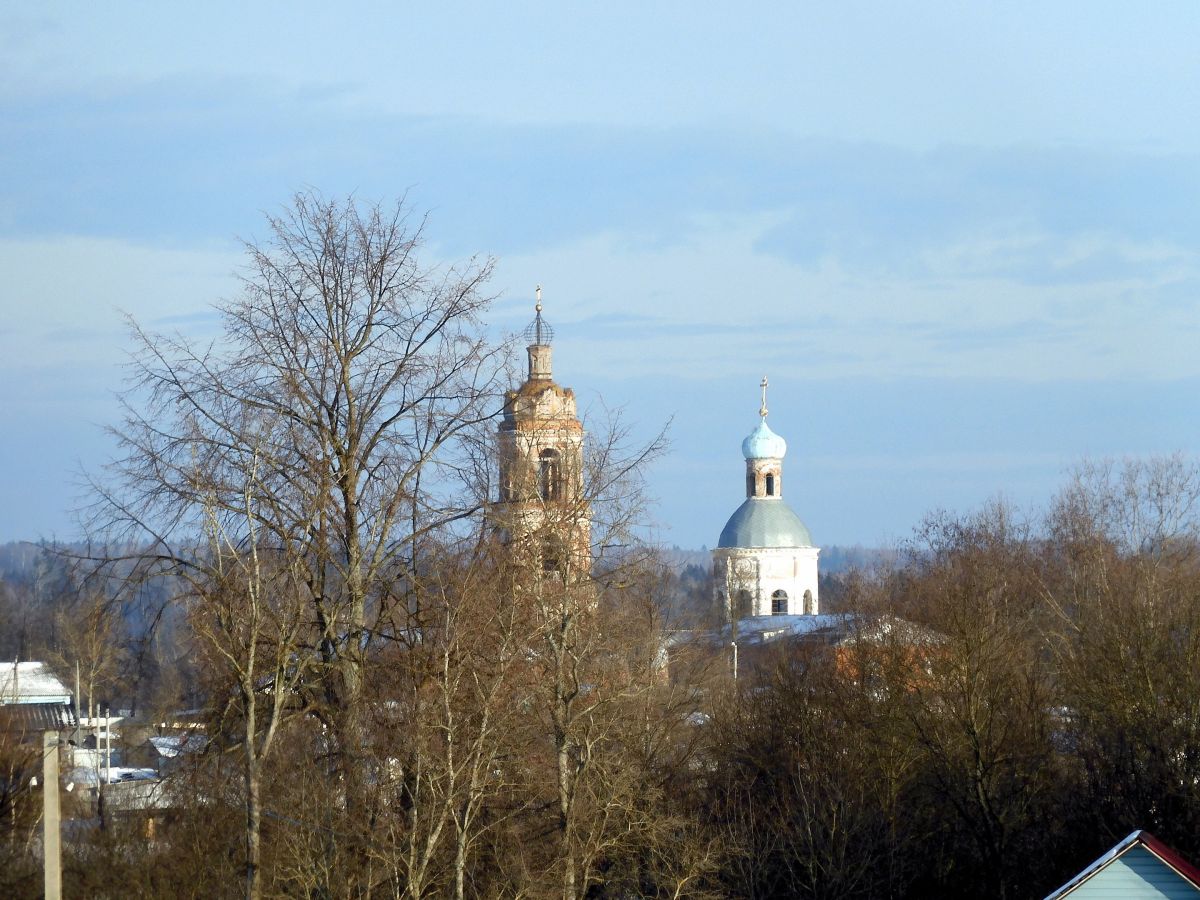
point(30, 682)
point(837, 629)
point(171, 745)
point(27, 718)
point(763, 629)
point(1169, 858)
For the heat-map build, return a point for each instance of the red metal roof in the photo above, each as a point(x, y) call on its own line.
point(1171, 858)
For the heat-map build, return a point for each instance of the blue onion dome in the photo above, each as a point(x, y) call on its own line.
point(763, 443)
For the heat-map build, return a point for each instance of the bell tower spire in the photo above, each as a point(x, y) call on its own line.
point(539, 334)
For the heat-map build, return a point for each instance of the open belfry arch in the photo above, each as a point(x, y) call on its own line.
point(542, 509)
point(765, 562)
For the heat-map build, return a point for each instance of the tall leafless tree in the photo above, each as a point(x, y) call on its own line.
point(344, 378)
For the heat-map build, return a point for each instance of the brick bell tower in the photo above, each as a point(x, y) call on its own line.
point(542, 510)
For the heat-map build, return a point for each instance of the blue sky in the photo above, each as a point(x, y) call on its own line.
point(961, 239)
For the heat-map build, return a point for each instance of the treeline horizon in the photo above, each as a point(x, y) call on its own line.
point(401, 696)
point(1055, 711)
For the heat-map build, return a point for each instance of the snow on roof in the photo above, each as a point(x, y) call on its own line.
point(768, 628)
point(31, 682)
point(170, 745)
point(91, 775)
point(832, 627)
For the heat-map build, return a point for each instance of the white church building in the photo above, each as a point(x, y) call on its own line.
point(765, 563)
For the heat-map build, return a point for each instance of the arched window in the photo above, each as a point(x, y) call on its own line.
point(749, 484)
point(552, 555)
point(808, 603)
point(743, 606)
point(779, 603)
point(770, 485)
point(550, 475)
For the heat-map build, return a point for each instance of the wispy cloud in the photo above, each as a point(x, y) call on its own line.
point(75, 334)
point(201, 317)
point(1028, 331)
point(125, 162)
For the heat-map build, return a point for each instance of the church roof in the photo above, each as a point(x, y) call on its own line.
point(764, 522)
point(763, 443)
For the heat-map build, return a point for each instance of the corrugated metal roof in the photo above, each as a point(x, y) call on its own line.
point(28, 718)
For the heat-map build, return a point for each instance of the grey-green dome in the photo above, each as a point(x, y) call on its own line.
point(764, 522)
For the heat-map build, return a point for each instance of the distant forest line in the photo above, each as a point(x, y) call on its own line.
point(389, 694)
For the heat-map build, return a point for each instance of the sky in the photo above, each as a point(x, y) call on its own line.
point(961, 240)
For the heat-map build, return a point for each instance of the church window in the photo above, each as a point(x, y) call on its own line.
point(779, 603)
point(808, 603)
point(770, 485)
point(550, 475)
point(749, 484)
point(743, 604)
point(552, 556)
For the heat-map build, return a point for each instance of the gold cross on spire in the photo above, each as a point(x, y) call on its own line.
point(762, 410)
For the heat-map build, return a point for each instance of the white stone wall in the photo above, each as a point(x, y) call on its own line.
point(761, 572)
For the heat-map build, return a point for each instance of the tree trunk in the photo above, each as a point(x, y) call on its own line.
point(253, 831)
point(253, 810)
point(565, 792)
point(460, 863)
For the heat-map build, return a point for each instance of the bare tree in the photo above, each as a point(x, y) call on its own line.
point(90, 637)
point(316, 443)
point(598, 660)
point(981, 710)
point(1124, 584)
point(249, 605)
point(20, 807)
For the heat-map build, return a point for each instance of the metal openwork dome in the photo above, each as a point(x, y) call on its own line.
point(539, 332)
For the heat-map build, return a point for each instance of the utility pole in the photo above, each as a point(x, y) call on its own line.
point(108, 744)
point(51, 818)
point(77, 734)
